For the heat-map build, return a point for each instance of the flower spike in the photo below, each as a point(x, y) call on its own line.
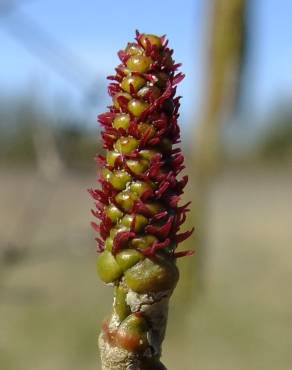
point(138, 203)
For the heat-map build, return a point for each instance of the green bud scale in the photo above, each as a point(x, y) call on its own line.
point(137, 204)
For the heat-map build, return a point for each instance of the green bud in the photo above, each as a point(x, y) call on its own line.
point(140, 222)
point(120, 305)
point(117, 229)
point(136, 81)
point(111, 157)
point(137, 107)
point(121, 121)
point(126, 71)
point(106, 174)
point(152, 39)
point(109, 242)
point(148, 153)
point(152, 276)
point(143, 242)
point(138, 166)
point(139, 63)
point(126, 144)
point(133, 49)
point(132, 334)
point(107, 267)
point(113, 213)
point(120, 179)
point(128, 258)
point(139, 187)
point(125, 200)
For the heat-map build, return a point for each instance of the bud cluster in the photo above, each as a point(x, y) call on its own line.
point(138, 203)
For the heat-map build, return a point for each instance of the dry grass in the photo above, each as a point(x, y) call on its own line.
point(51, 303)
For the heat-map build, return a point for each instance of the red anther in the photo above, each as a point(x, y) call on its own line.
point(121, 239)
point(99, 245)
point(183, 254)
point(183, 236)
point(160, 231)
point(106, 119)
point(150, 252)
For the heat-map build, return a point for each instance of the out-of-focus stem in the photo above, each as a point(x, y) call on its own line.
point(226, 51)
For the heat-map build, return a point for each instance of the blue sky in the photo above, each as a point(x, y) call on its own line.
point(92, 31)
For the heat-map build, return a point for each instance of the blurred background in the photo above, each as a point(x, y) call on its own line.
point(233, 306)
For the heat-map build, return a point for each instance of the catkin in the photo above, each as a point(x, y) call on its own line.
point(137, 204)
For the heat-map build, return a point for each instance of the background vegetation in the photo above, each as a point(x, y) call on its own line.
point(232, 308)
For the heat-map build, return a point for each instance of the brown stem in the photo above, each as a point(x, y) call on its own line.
point(154, 308)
